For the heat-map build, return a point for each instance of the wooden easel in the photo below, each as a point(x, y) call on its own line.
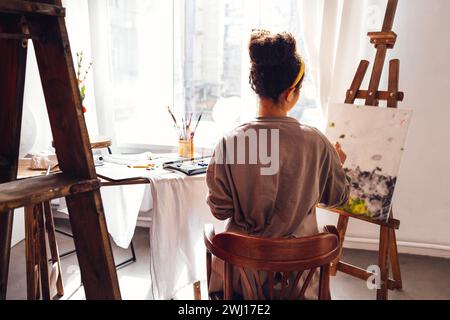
point(388, 254)
point(41, 280)
point(43, 22)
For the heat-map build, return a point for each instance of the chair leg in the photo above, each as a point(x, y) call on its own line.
point(228, 281)
point(130, 260)
point(324, 283)
point(208, 271)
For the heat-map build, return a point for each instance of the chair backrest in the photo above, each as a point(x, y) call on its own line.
point(297, 258)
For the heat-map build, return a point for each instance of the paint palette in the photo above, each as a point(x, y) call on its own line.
point(189, 167)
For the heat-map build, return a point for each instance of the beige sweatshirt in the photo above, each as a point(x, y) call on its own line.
point(282, 204)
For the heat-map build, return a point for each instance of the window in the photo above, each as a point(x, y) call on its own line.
point(216, 35)
point(192, 55)
point(141, 70)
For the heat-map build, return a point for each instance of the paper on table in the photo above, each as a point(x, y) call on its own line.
point(117, 172)
point(130, 159)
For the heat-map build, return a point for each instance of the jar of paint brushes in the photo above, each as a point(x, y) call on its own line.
point(186, 148)
point(186, 132)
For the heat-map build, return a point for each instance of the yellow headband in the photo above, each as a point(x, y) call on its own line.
point(299, 76)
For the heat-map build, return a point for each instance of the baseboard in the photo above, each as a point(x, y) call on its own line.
point(144, 222)
point(415, 248)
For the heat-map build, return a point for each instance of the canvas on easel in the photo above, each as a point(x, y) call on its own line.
point(374, 141)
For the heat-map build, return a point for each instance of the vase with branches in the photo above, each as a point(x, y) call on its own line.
point(82, 74)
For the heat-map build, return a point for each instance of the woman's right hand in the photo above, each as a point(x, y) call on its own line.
point(340, 152)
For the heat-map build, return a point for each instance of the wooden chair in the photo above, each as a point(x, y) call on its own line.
point(285, 258)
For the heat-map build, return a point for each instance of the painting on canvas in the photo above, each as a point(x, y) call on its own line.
point(374, 141)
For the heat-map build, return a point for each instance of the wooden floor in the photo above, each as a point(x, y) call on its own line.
point(423, 277)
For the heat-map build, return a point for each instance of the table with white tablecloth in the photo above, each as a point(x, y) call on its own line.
point(177, 205)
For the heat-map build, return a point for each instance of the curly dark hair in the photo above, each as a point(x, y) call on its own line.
point(275, 63)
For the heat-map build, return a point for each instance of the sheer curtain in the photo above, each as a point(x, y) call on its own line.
point(132, 45)
point(192, 55)
point(36, 133)
point(216, 60)
point(335, 40)
point(188, 54)
point(321, 23)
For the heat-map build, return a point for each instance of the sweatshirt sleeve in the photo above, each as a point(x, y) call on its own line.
point(334, 183)
point(219, 197)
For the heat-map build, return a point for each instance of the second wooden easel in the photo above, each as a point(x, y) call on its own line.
point(388, 254)
point(43, 21)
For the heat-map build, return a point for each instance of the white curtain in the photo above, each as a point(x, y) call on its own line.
point(97, 11)
point(335, 39)
point(36, 132)
point(132, 45)
point(78, 28)
point(321, 22)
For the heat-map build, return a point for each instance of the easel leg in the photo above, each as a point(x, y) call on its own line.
point(395, 263)
point(12, 80)
point(42, 253)
point(6, 224)
point(32, 268)
point(60, 87)
point(197, 290)
point(56, 263)
point(383, 263)
point(342, 229)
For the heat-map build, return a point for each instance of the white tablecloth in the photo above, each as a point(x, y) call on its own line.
point(177, 205)
point(176, 236)
point(121, 205)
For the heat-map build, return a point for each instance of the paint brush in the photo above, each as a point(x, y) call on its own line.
point(173, 117)
point(180, 133)
point(196, 126)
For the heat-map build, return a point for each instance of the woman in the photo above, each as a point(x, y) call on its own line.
point(282, 204)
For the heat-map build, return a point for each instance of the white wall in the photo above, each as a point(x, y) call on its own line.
point(35, 110)
point(422, 199)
